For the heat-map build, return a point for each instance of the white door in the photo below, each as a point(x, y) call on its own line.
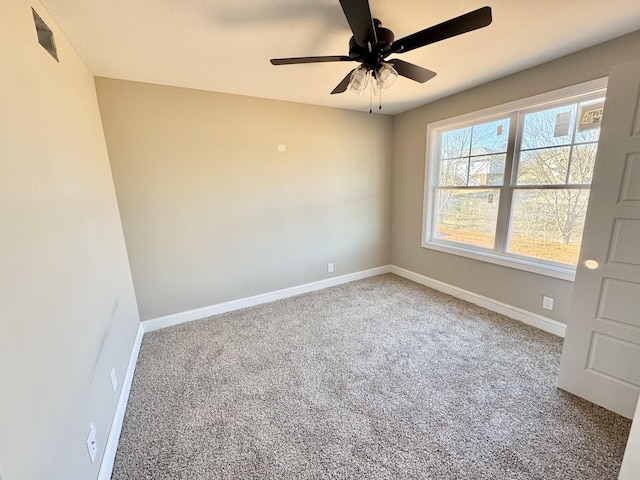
point(601, 356)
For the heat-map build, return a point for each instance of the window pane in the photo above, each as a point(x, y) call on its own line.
point(483, 139)
point(467, 216)
point(490, 137)
point(548, 224)
point(453, 173)
point(547, 166)
point(488, 170)
point(582, 163)
point(588, 136)
point(455, 143)
point(549, 128)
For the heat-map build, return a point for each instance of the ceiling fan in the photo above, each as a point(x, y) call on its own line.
point(371, 44)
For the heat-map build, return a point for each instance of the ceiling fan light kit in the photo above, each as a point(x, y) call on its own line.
point(371, 44)
point(383, 76)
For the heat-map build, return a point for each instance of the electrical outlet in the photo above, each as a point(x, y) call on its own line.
point(92, 446)
point(114, 379)
point(330, 267)
point(547, 303)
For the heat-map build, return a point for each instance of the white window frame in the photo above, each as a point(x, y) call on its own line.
point(529, 264)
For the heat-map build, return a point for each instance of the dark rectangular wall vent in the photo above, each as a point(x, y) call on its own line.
point(45, 35)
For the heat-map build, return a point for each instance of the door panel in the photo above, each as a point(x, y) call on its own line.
point(615, 358)
point(620, 302)
point(631, 180)
point(601, 355)
point(625, 247)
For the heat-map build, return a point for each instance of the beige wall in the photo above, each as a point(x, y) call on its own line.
point(68, 312)
point(514, 287)
point(212, 211)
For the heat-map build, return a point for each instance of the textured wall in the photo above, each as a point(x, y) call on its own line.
point(68, 311)
point(515, 287)
point(212, 211)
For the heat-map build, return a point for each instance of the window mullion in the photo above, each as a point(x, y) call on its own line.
point(469, 157)
point(506, 192)
point(573, 143)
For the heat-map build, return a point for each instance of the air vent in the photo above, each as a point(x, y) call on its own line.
point(45, 35)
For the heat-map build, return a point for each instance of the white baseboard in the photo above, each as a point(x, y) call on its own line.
point(204, 312)
point(106, 466)
point(516, 313)
point(533, 319)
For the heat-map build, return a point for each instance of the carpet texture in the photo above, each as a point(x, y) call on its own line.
point(376, 379)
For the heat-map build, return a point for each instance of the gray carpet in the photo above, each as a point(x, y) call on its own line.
point(380, 378)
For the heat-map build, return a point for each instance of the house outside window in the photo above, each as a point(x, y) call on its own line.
point(510, 185)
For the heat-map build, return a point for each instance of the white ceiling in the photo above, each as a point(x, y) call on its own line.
point(225, 46)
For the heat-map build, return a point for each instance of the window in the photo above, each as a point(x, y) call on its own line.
point(510, 185)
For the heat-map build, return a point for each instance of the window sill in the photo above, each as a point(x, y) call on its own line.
point(563, 273)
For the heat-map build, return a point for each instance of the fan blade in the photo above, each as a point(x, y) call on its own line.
point(291, 61)
point(456, 26)
point(411, 71)
point(342, 86)
point(359, 17)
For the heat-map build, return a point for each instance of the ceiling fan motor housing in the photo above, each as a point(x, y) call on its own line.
point(371, 55)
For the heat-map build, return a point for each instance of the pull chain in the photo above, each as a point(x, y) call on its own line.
point(370, 98)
